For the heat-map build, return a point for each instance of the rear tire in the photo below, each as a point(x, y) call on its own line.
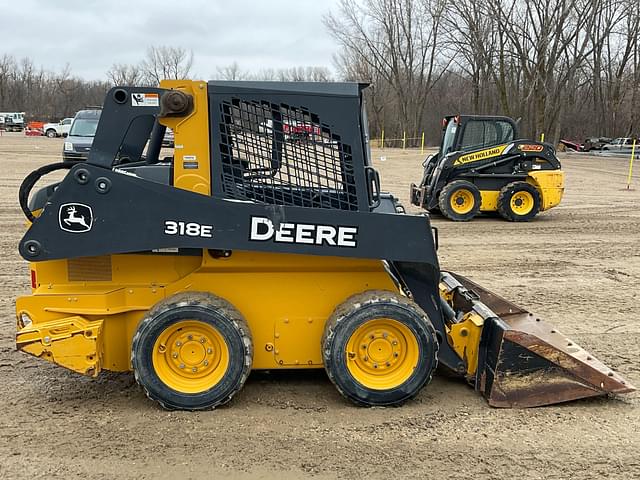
point(192, 351)
point(379, 349)
point(460, 201)
point(519, 202)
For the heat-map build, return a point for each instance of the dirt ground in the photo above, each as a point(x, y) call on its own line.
point(577, 266)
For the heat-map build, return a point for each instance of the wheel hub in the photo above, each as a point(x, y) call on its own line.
point(191, 352)
point(382, 353)
point(522, 202)
point(462, 201)
point(190, 356)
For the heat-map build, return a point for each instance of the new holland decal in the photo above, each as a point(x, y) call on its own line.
point(481, 155)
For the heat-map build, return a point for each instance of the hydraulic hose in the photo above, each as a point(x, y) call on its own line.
point(30, 181)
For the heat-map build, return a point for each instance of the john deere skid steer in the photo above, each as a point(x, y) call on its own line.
point(248, 250)
point(483, 167)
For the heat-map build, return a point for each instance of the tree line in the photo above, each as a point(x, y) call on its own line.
point(566, 68)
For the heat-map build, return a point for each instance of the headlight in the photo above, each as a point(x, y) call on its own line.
point(68, 147)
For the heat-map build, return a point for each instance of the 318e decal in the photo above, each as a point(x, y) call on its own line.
point(189, 229)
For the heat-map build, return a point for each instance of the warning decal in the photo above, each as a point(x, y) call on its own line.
point(139, 99)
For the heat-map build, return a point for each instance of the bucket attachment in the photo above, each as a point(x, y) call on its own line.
point(520, 360)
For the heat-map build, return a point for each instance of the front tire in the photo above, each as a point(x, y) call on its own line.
point(193, 351)
point(50, 133)
point(379, 349)
point(460, 201)
point(519, 202)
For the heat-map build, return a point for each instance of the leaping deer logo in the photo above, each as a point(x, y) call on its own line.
point(75, 217)
point(71, 219)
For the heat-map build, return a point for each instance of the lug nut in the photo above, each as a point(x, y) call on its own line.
point(396, 354)
point(203, 340)
point(375, 365)
point(182, 365)
point(179, 343)
point(190, 337)
point(395, 342)
point(388, 364)
point(194, 369)
point(205, 363)
point(209, 350)
point(365, 358)
point(175, 355)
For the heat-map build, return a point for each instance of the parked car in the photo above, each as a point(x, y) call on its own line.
point(80, 138)
point(595, 143)
point(622, 144)
point(570, 145)
point(12, 121)
point(60, 129)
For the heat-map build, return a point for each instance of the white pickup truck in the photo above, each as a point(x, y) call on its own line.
point(60, 129)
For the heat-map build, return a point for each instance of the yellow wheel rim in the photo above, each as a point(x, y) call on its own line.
point(462, 201)
point(382, 354)
point(522, 202)
point(190, 356)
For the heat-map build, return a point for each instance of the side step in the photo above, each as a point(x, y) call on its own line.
point(523, 361)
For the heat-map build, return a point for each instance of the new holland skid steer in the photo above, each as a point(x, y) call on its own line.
point(248, 250)
point(483, 167)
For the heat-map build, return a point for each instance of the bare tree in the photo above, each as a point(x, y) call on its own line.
point(401, 41)
point(166, 63)
point(124, 74)
point(231, 72)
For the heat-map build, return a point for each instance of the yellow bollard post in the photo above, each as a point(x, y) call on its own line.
point(542, 137)
point(404, 140)
point(633, 154)
point(422, 145)
point(382, 140)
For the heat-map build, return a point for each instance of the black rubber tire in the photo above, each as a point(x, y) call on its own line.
point(206, 308)
point(51, 133)
point(356, 311)
point(504, 201)
point(449, 190)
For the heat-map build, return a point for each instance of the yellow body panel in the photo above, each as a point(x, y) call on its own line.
point(192, 163)
point(464, 337)
point(550, 184)
point(286, 299)
point(489, 200)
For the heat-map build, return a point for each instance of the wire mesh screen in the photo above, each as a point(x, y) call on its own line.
point(283, 155)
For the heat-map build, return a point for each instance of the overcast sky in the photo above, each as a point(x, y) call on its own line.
point(92, 35)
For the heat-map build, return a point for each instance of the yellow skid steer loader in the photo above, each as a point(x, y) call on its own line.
point(482, 166)
point(252, 248)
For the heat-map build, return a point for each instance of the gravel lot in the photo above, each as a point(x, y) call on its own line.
point(577, 266)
